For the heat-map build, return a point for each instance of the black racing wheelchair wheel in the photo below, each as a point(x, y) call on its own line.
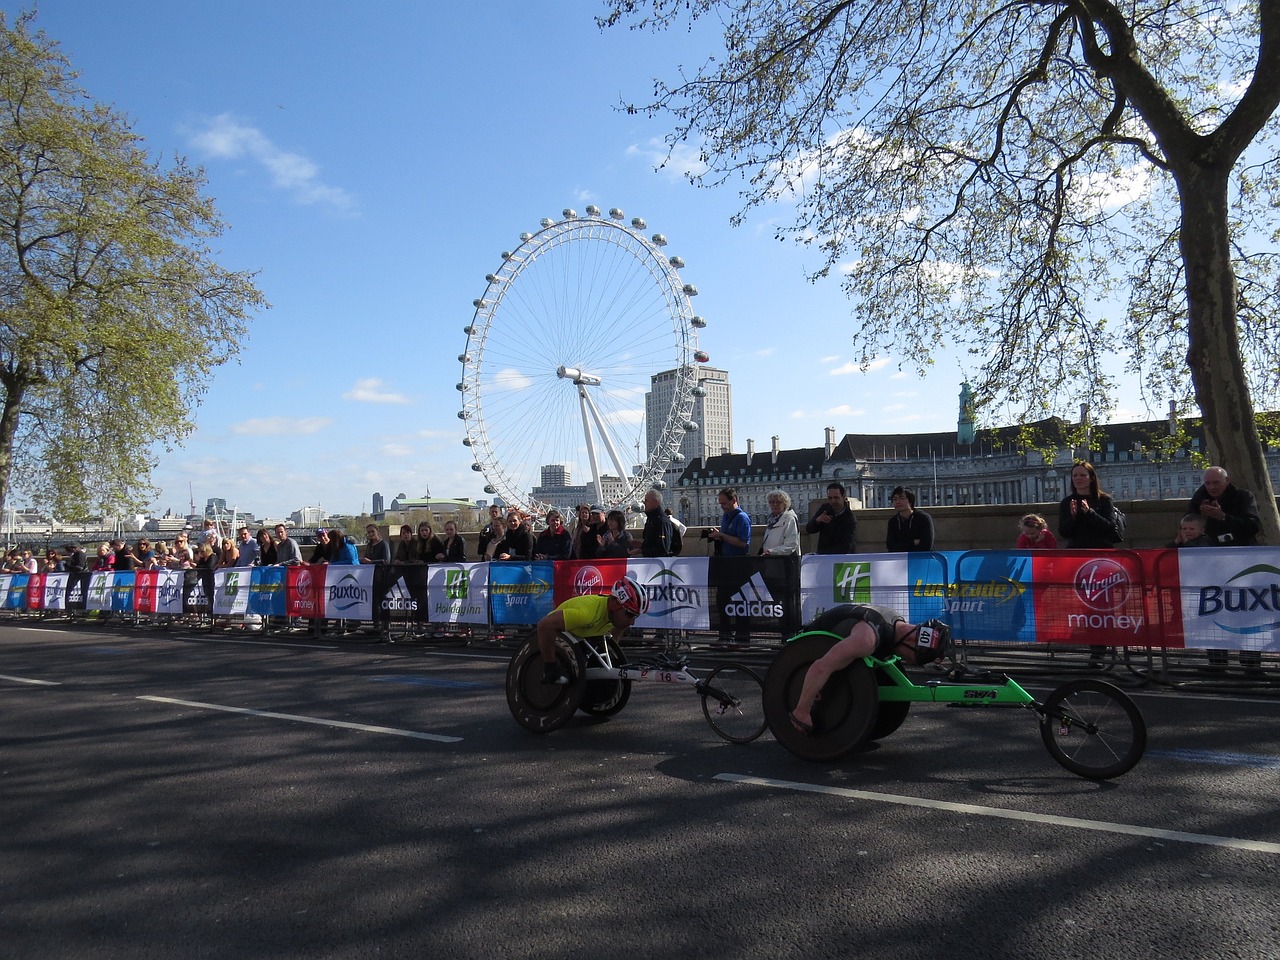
point(844, 713)
point(1093, 729)
point(543, 707)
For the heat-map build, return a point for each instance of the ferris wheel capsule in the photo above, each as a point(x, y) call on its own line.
point(701, 356)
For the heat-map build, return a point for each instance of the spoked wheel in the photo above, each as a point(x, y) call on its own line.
point(604, 698)
point(543, 707)
point(733, 702)
point(844, 713)
point(1093, 729)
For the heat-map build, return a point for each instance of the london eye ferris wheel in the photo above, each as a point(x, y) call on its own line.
point(561, 351)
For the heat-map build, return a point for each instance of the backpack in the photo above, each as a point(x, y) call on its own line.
point(676, 543)
point(1118, 523)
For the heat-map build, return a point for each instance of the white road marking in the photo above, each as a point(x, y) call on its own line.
point(1257, 846)
point(364, 727)
point(38, 683)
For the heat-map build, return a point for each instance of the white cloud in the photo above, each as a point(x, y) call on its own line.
point(510, 379)
point(369, 390)
point(225, 138)
point(877, 364)
point(397, 450)
point(684, 161)
point(280, 426)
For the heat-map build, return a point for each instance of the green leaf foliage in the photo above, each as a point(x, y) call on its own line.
point(113, 310)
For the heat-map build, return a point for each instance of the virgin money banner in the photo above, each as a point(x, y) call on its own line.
point(35, 592)
point(1230, 597)
point(577, 578)
point(348, 591)
point(991, 597)
point(458, 592)
point(399, 591)
point(304, 591)
point(158, 591)
point(1092, 598)
point(679, 591)
point(827, 580)
point(521, 593)
point(231, 591)
point(98, 596)
point(266, 592)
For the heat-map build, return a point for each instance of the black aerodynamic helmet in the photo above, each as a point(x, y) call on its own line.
point(933, 641)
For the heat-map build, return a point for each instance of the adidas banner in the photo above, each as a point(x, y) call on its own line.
point(458, 592)
point(77, 591)
point(679, 592)
point(755, 593)
point(400, 592)
point(197, 591)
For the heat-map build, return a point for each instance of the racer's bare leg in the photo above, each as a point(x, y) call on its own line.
point(860, 642)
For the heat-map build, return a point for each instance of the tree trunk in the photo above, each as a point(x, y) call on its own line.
point(1213, 351)
point(15, 389)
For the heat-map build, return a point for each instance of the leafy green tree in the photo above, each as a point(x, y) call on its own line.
point(1045, 182)
point(113, 313)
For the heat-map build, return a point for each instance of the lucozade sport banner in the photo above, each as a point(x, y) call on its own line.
point(266, 591)
point(521, 593)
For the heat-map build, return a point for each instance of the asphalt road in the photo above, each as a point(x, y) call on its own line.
point(170, 797)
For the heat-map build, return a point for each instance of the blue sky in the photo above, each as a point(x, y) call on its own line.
point(373, 160)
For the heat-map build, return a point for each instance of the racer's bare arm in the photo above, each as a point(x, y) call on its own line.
point(861, 642)
point(549, 628)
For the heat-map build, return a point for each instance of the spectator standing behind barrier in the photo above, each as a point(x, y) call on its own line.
point(581, 520)
point(1230, 520)
point(430, 547)
point(487, 533)
point(406, 546)
point(733, 538)
point(376, 550)
point(834, 523)
point(655, 539)
point(553, 543)
point(209, 533)
point(180, 555)
point(455, 548)
point(1191, 533)
point(498, 533)
point(104, 560)
point(287, 551)
point(615, 541)
point(344, 550)
point(781, 528)
point(247, 549)
point(517, 542)
point(910, 530)
point(322, 552)
point(1086, 516)
point(266, 547)
point(52, 563)
point(1230, 513)
point(125, 560)
point(76, 562)
point(206, 557)
point(586, 545)
point(143, 553)
point(1035, 534)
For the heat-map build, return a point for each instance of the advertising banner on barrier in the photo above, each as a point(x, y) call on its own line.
point(991, 597)
point(77, 591)
point(158, 591)
point(577, 578)
point(122, 591)
point(231, 591)
point(266, 592)
point(304, 591)
point(458, 592)
point(829, 580)
point(35, 592)
point(348, 592)
point(56, 586)
point(678, 589)
point(521, 593)
point(197, 591)
point(98, 595)
point(752, 594)
point(1092, 598)
point(400, 592)
point(13, 590)
point(1230, 597)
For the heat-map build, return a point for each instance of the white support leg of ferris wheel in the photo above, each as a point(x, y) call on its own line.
point(583, 405)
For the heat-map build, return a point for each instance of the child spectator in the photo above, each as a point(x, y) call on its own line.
point(1035, 534)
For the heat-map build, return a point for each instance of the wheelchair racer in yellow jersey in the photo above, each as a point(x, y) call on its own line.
point(589, 616)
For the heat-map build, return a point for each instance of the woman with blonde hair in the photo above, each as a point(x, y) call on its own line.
point(781, 530)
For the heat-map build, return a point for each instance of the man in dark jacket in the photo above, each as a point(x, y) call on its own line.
point(834, 523)
point(1230, 520)
point(656, 539)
